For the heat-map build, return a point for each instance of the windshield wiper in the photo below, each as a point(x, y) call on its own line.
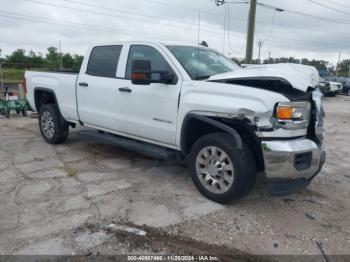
point(201, 77)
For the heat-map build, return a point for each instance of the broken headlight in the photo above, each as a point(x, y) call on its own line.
point(292, 115)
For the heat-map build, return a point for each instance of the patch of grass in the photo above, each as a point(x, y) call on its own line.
point(17, 74)
point(10, 74)
point(72, 173)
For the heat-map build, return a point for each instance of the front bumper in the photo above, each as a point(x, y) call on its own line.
point(290, 165)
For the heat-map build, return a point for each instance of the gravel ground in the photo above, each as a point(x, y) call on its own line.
point(85, 198)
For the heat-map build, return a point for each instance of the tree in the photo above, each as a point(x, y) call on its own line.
point(52, 57)
point(18, 57)
point(78, 60)
point(67, 61)
point(344, 68)
point(34, 59)
point(21, 60)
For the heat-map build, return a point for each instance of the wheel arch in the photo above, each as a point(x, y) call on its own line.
point(195, 126)
point(43, 96)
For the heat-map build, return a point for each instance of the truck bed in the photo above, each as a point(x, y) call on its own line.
point(62, 83)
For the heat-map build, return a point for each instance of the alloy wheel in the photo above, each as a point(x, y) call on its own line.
point(215, 169)
point(47, 124)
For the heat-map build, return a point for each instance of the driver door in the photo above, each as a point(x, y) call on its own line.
point(149, 111)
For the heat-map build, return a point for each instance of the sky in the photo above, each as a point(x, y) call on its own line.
point(321, 32)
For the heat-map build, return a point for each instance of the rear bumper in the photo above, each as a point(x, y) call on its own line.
point(291, 165)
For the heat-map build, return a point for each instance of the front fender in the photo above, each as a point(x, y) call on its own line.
point(236, 137)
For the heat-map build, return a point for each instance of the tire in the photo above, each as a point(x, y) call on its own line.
point(349, 92)
point(232, 184)
point(7, 114)
point(50, 124)
point(24, 112)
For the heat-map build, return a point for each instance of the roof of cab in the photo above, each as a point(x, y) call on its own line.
point(165, 43)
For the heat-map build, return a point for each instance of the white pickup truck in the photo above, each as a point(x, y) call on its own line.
point(173, 99)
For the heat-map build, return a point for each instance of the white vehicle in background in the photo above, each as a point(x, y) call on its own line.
point(330, 88)
point(177, 100)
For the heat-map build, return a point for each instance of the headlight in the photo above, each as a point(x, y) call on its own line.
point(292, 115)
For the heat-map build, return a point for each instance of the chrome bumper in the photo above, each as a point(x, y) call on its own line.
point(292, 159)
point(291, 165)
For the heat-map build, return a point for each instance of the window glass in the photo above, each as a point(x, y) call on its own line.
point(104, 61)
point(143, 52)
point(202, 63)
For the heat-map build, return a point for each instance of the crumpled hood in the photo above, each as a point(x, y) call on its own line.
point(300, 77)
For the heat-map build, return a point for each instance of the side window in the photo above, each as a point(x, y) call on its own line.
point(103, 61)
point(148, 53)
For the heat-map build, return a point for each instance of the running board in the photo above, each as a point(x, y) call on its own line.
point(143, 148)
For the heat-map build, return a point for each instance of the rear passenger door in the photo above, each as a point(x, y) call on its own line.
point(97, 88)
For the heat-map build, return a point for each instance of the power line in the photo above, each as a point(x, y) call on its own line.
point(222, 2)
point(272, 27)
point(225, 22)
point(18, 16)
point(325, 19)
point(338, 4)
point(104, 14)
point(151, 16)
point(106, 29)
point(338, 21)
point(229, 30)
point(187, 26)
point(182, 7)
point(141, 14)
point(102, 29)
point(214, 31)
point(120, 10)
point(70, 24)
point(329, 7)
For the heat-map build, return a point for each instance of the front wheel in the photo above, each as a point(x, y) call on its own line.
point(221, 171)
point(51, 128)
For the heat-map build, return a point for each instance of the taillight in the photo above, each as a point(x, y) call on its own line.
point(25, 86)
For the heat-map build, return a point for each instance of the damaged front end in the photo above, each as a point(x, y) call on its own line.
point(291, 135)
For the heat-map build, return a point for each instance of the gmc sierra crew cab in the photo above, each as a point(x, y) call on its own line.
point(180, 100)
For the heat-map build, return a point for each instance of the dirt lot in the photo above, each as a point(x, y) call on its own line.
point(85, 198)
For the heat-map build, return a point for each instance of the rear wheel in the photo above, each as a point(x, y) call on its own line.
point(220, 170)
point(50, 124)
point(349, 92)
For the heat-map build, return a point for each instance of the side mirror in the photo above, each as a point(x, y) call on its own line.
point(141, 72)
point(167, 77)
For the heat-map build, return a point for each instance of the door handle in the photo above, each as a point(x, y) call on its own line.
point(83, 84)
point(125, 89)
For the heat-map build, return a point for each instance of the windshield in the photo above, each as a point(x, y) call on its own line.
point(201, 63)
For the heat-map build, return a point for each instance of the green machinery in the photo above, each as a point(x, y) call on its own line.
point(8, 104)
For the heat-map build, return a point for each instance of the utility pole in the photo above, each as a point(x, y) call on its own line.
point(1, 76)
point(337, 69)
point(260, 44)
point(250, 33)
point(199, 27)
point(60, 64)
